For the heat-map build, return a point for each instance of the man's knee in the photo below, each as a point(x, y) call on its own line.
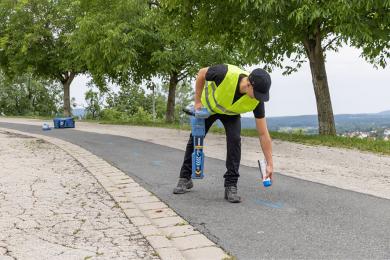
point(233, 139)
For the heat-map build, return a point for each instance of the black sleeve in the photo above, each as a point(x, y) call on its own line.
point(216, 73)
point(259, 111)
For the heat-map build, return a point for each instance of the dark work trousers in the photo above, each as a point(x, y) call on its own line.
point(232, 126)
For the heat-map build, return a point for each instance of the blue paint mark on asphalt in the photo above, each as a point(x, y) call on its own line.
point(275, 205)
point(135, 154)
point(156, 163)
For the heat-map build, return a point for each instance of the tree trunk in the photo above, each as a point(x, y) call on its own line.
point(30, 96)
point(153, 102)
point(170, 115)
point(315, 54)
point(66, 81)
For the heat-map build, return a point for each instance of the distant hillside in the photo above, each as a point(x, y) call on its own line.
point(387, 112)
point(344, 122)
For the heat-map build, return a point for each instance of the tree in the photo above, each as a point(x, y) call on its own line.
point(184, 96)
point(129, 98)
point(133, 41)
point(94, 103)
point(272, 31)
point(25, 94)
point(107, 37)
point(35, 37)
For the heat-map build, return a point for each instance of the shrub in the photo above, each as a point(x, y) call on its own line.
point(142, 116)
point(114, 115)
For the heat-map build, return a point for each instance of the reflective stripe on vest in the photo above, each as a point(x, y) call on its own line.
point(206, 88)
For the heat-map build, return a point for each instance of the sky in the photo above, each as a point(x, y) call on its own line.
point(355, 87)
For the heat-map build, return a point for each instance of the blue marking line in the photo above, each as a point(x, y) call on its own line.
point(275, 205)
point(156, 163)
point(135, 154)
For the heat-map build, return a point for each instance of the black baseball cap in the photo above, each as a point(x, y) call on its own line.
point(261, 82)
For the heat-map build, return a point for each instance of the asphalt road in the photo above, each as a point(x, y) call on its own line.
point(294, 219)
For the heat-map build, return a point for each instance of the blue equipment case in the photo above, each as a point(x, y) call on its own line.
point(64, 122)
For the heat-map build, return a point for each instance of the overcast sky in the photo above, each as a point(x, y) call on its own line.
point(355, 87)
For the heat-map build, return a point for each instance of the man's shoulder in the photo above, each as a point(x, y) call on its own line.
point(216, 73)
point(218, 68)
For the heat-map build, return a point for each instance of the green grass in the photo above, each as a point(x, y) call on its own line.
point(366, 144)
point(142, 123)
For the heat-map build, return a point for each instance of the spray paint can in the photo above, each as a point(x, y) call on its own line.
point(263, 166)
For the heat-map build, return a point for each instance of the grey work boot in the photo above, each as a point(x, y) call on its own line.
point(231, 194)
point(183, 186)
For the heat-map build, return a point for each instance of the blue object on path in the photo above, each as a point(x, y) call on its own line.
point(198, 132)
point(46, 127)
point(64, 122)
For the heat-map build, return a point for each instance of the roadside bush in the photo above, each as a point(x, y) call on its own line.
point(113, 115)
point(142, 116)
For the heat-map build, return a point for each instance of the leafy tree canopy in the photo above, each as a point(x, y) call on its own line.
point(34, 36)
point(270, 31)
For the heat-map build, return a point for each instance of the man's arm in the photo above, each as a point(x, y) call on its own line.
point(199, 85)
point(266, 144)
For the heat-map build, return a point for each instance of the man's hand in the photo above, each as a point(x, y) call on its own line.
point(198, 106)
point(269, 170)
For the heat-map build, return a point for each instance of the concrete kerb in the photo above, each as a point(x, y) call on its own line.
point(169, 234)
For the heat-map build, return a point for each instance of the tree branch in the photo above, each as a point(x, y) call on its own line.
point(60, 76)
point(182, 75)
point(330, 42)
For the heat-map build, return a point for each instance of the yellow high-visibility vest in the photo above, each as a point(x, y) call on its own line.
point(219, 100)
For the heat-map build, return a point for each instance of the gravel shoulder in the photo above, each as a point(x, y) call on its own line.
point(343, 168)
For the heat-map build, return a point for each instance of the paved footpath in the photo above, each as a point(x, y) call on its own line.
point(295, 219)
point(52, 208)
point(69, 204)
